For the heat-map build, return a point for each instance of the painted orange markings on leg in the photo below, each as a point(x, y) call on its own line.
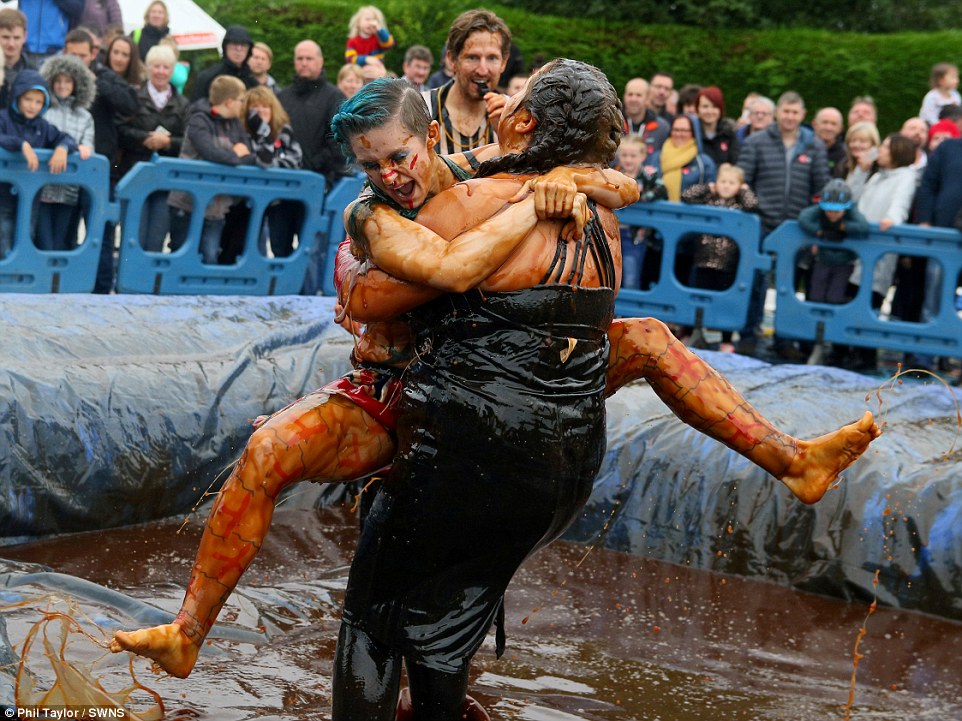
point(691, 368)
point(235, 514)
point(742, 431)
point(306, 431)
point(236, 563)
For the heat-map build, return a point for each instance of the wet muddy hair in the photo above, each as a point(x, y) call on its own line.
point(376, 104)
point(579, 120)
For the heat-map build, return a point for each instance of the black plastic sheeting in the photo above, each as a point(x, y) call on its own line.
point(670, 493)
point(121, 409)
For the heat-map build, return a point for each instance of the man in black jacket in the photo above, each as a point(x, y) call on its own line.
point(236, 49)
point(311, 101)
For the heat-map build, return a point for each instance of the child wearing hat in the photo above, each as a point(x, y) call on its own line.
point(833, 219)
point(72, 89)
point(23, 129)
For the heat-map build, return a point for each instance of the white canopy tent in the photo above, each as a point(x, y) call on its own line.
point(191, 27)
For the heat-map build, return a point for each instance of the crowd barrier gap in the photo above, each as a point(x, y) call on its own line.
point(27, 269)
point(669, 299)
point(182, 271)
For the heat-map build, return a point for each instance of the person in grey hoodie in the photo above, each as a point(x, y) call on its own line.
point(72, 89)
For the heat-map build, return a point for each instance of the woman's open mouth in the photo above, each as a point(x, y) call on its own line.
point(404, 192)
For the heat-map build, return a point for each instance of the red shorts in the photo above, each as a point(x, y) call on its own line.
point(375, 391)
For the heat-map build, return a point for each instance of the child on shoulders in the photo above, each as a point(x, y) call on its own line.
point(944, 81)
point(367, 37)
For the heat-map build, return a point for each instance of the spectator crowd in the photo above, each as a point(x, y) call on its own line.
point(72, 81)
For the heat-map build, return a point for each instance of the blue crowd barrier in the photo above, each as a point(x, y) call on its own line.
point(27, 269)
point(182, 271)
point(341, 195)
point(856, 322)
point(669, 299)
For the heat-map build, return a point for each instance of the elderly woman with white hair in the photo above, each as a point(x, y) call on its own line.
point(157, 127)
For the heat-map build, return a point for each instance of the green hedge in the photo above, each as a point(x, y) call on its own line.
point(827, 68)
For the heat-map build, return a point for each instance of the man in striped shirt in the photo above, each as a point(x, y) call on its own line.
point(466, 107)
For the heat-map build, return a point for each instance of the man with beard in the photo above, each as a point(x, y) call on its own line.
point(477, 48)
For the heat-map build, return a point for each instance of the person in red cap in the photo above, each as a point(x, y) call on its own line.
point(942, 130)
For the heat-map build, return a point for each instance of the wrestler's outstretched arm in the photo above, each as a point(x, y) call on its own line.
point(706, 401)
point(322, 437)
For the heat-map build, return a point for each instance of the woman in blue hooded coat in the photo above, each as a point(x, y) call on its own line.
point(23, 129)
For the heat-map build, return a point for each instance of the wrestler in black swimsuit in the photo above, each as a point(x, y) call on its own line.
point(501, 433)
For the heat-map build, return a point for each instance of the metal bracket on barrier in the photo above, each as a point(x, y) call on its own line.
point(182, 271)
point(674, 302)
point(341, 195)
point(27, 269)
point(856, 322)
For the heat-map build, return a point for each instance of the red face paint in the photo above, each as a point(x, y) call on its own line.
point(414, 162)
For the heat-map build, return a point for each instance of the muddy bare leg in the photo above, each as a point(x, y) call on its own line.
point(706, 401)
point(320, 437)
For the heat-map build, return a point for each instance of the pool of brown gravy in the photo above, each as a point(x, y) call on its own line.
point(616, 637)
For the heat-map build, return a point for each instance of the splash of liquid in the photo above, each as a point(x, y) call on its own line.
point(225, 471)
point(855, 654)
point(591, 547)
point(76, 681)
point(357, 498)
point(890, 383)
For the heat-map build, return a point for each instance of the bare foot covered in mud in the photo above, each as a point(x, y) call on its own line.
point(168, 646)
point(818, 462)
